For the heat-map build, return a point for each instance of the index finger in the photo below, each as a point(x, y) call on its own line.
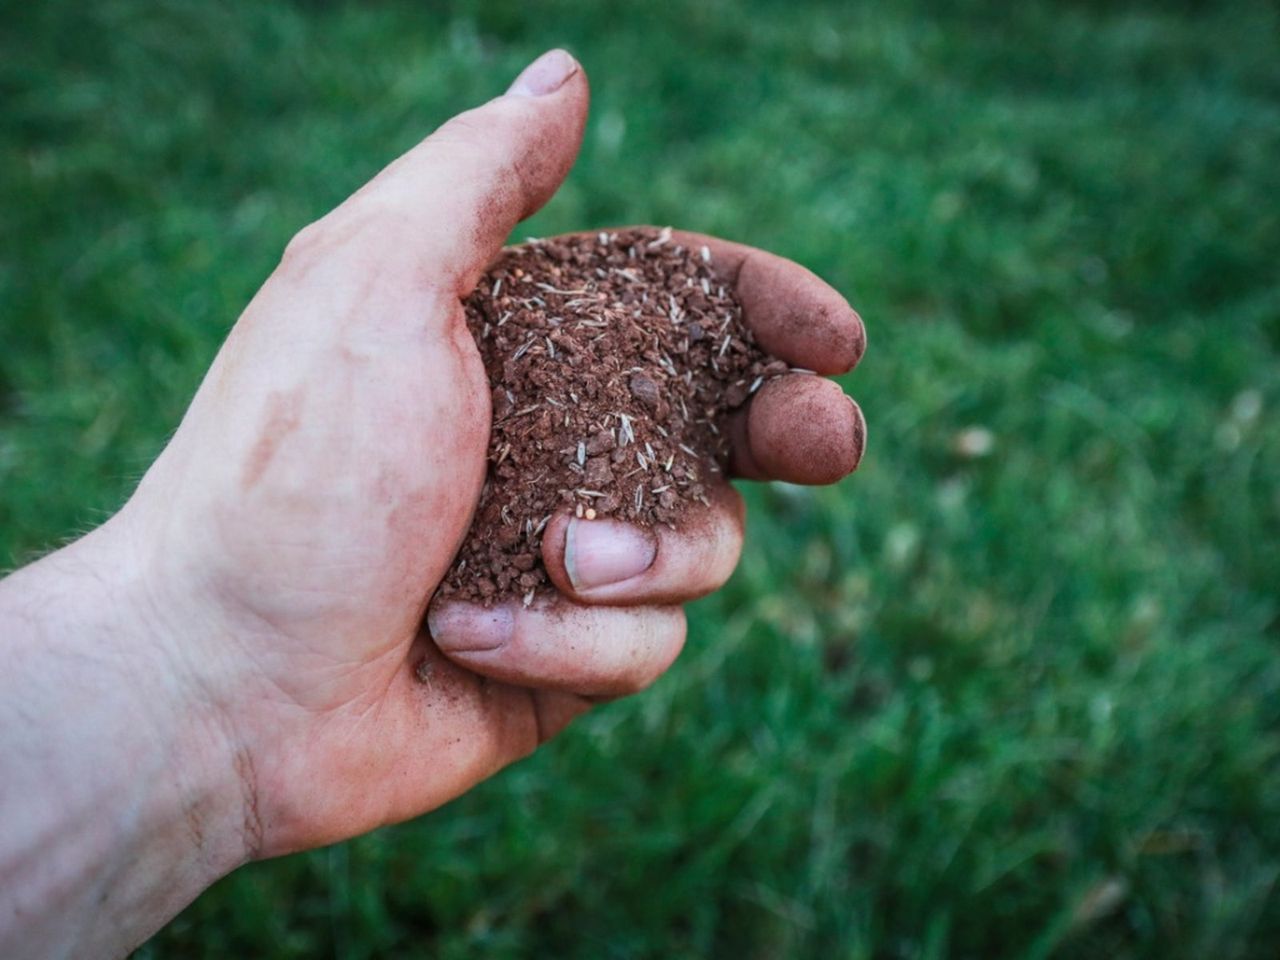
point(794, 314)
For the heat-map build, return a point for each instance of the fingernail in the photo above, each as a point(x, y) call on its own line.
point(601, 552)
point(859, 433)
point(545, 75)
point(470, 628)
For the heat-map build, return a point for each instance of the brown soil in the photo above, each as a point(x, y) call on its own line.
point(613, 359)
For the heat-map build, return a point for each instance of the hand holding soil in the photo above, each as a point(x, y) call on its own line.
point(325, 477)
point(255, 612)
point(629, 380)
point(620, 368)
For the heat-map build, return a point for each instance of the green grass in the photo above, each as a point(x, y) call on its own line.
point(1024, 704)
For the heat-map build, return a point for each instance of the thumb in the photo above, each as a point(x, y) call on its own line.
point(444, 208)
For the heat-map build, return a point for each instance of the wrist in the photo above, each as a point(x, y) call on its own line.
point(159, 636)
point(118, 756)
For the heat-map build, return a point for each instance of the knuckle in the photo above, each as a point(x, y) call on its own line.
point(304, 247)
point(363, 222)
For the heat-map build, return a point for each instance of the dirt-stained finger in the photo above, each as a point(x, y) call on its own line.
point(800, 429)
point(610, 562)
point(794, 314)
point(556, 644)
point(444, 207)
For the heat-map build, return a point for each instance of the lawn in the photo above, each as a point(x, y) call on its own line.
point(1013, 690)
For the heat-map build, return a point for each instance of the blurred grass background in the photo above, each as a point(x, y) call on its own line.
point(1014, 690)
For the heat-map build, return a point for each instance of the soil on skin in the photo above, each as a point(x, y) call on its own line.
point(613, 360)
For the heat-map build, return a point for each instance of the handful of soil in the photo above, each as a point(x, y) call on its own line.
point(613, 359)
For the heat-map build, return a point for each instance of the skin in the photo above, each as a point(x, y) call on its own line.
point(239, 663)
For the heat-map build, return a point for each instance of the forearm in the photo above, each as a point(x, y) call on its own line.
point(116, 804)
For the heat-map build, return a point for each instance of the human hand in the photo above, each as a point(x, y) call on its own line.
point(296, 526)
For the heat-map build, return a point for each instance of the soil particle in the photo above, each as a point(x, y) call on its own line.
point(612, 360)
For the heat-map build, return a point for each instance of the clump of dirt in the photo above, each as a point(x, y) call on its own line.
point(613, 359)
